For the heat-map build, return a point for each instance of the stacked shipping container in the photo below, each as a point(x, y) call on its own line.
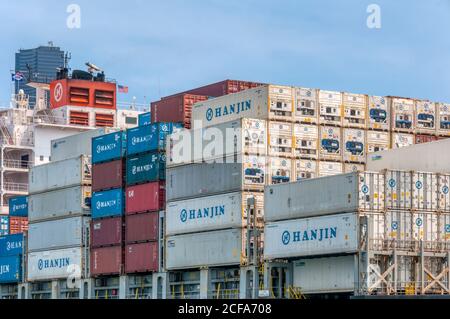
point(108, 182)
point(11, 258)
point(347, 214)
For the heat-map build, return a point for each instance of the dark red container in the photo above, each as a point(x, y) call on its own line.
point(420, 138)
point(223, 88)
point(176, 108)
point(141, 227)
point(141, 258)
point(17, 225)
point(106, 261)
point(145, 198)
point(106, 232)
point(107, 175)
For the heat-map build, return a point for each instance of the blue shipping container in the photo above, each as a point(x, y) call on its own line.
point(108, 203)
point(144, 119)
point(18, 206)
point(149, 138)
point(10, 269)
point(108, 147)
point(11, 245)
point(4, 225)
point(146, 168)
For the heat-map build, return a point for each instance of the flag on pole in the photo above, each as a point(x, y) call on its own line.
point(123, 89)
point(18, 76)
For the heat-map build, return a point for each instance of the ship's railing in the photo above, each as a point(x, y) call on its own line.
point(18, 164)
point(121, 105)
point(408, 245)
point(15, 187)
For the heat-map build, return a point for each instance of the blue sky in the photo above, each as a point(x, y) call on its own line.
point(161, 47)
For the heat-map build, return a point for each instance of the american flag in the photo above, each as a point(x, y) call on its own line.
point(123, 89)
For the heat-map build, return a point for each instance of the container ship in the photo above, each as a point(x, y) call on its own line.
point(237, 189)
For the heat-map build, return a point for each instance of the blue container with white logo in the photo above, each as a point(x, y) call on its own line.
point(4, 225)
point(108, 147)
point(11, 245)
point(146, 168)
point(108, 204)
point(18, 206)
point(10, 269)
point(149, 138)
point(144, 119)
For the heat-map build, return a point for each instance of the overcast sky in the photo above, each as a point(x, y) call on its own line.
point(161, 47)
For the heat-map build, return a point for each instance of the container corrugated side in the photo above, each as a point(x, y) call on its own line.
point(142, 227)
point(428, 157)
point(75, 145)
point(106, 232)
point(149, 138)
point(217, 248)
point(145, 168)
point(252, 103)
point(58, 234)
point(312, 197)
point(62, 174)
point(184, 182)
point(205, 214)
point(325, 235)
point(107, 175)
point(11, 245)
point(108, 204)
point(106, 261)
point(108, 147)
point(141, 258)
point(145, 198)
point(144, 119)
point(55, 264)
point(61, 203)
point(325, 275)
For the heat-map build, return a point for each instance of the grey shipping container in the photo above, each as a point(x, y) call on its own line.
point(55, 175)
point(60, 203)
point(58, 234)
point(189, 181)
point(76, 145)
point(427, 157)
point(217, 248)
point(326, 195)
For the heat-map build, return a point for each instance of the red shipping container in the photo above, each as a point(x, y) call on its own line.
point(141, 258)
point(145, 198)
point(222, 88)
point(141, 227)
point(18, 225)
point(107, 175)
point(106, 232)
point(425, 138)
point(176, 108)
point(106, 261)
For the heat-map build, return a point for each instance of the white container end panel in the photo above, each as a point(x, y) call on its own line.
point(354, 144)
point(306, 141)
point(425, 191)
point(400, 140)
point(378, 113)
point(355, 106)
point(280, 138)
point(398, 189)
point(324, 235)
point(378, 141)
point(330, 108)
point(444, 119)
point(325, 275)
point(426, 118)
point(281, 102)
point(305, 169)
point(280, 170)
point(330, 168)
point(217, 248)
point(330, 143)
point(402, 111)
point(306, 106)
point(55, 264)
